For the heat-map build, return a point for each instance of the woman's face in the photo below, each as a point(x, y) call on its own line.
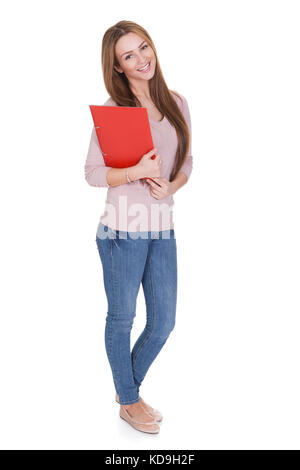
point(133, 53)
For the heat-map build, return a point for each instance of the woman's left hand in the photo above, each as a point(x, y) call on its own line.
point(164, 189)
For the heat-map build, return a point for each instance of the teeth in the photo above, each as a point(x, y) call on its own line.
point(143, 68)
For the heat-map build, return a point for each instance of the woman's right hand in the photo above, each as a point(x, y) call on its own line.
point(149, 167)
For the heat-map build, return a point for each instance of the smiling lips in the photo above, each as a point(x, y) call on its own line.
point(145, 68)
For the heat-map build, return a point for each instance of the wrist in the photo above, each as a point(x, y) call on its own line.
point(135, 173)
point(174, 187)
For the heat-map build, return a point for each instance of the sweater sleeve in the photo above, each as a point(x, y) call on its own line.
point(95, 169)
point(187, 166)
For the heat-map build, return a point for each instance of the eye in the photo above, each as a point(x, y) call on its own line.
point(145, 45)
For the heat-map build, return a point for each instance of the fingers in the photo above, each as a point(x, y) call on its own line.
point(152, 152)
point(155, 193)
point(158, 159)
point(155, 182)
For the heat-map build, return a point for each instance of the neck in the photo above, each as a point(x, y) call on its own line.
point(141, 90)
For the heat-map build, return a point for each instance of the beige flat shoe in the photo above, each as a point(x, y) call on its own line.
point(150, 427)
point(156, 414)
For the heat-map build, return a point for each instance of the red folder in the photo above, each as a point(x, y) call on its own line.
point(123, 133)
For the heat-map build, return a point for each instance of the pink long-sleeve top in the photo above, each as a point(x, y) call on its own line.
point(130, 206)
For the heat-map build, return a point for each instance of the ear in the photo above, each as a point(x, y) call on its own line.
point(118, 69)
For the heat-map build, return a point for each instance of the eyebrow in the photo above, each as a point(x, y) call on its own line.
point(132, 51)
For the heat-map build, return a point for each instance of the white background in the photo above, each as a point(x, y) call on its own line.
point(228, 377)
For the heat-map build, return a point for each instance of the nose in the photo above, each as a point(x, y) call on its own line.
point(142, 59)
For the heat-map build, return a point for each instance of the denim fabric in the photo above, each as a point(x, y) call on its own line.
point(129, 259)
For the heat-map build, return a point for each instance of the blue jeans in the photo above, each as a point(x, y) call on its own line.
point(127, 261)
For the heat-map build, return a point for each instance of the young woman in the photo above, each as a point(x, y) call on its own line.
point(135, 235)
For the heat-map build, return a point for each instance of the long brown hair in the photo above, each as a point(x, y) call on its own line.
point(118, 88)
